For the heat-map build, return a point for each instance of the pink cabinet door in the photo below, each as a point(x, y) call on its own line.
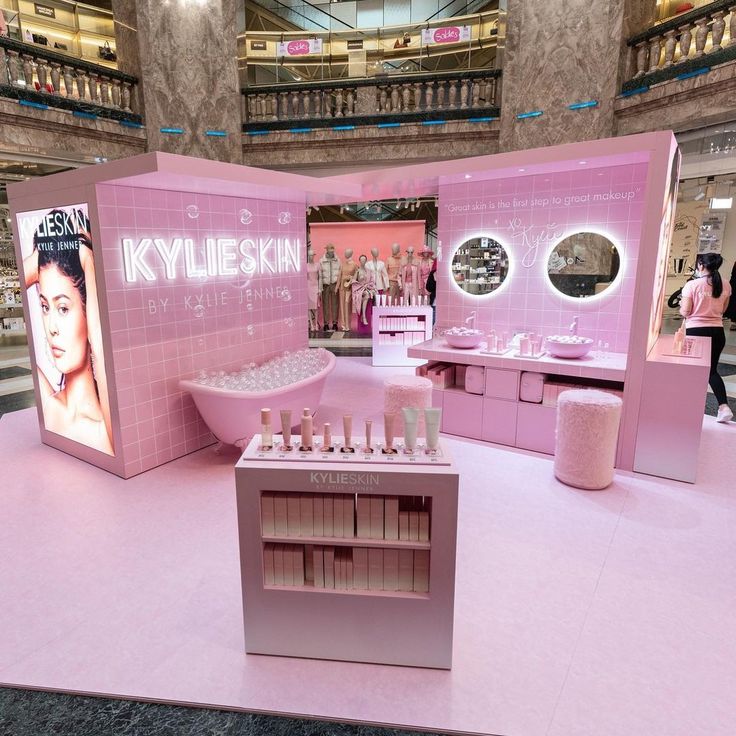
point(535, 427)
point(499, 421)
point(462, 414)
point(502, 384)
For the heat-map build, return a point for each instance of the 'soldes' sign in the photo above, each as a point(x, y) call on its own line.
point(301, 47)
point(446, 34)
point(183, 258)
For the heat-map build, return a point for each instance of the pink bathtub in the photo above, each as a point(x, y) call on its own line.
point(234, 416)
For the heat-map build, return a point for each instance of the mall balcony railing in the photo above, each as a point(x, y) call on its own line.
point(47, 79)
point(458, 95)
point(685, 46)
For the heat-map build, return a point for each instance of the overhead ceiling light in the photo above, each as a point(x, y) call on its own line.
point(582, 163)
point(721, 203)
point(521, 171)
point(468, 176)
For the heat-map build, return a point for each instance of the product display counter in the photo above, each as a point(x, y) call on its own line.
point(395, 329)
point(671, 409)
point(505, 399)
point(348, 556)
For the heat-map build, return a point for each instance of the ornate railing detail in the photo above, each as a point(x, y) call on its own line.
point(689, 44)
point(462, 94)
point(45, 77)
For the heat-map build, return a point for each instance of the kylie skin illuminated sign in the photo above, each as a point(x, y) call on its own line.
point(215, 257)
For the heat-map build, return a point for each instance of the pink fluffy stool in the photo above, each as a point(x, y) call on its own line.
point(587, 433)
point(407, 391)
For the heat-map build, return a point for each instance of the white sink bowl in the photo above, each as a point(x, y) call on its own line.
point(559, 349)
point(464, 342)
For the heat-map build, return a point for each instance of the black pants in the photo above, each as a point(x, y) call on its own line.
point(717, 343)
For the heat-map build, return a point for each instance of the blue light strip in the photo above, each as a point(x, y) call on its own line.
point(82, 114)
point(343, 127)
point(388, 125)
point(694, 73)
point(28, 103)
point(434, 122)
point(481, 120)
point(258, 132)
point(130, 124)
point(172, 131)
point(533, 114)
point(300, 130)
point(216, 133)
point(632, 92)
point(583, 105)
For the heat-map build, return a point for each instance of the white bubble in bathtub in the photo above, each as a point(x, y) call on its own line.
point(192, 211)
point(246, 216)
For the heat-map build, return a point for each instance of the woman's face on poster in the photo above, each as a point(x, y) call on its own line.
point(64, 320)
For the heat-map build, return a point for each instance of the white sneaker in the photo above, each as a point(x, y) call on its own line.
point(724, 413)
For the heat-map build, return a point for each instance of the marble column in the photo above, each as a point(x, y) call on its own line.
point(184, 54)
point(561, 53)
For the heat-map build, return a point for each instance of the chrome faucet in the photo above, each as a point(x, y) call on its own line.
point(574, 326)
point(470, 321)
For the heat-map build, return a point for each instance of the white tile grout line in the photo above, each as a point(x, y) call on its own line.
point(587, 611)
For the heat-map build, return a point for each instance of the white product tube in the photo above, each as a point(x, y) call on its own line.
point(307, 433)
point(286, 426)
point(327, 437)
point(368, 425)
point(411, 417)
point(432, 423)
point(266, 431)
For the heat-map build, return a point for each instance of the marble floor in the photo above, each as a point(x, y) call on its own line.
point(577, 613)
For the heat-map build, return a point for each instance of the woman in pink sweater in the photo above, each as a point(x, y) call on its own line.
point(704, 300)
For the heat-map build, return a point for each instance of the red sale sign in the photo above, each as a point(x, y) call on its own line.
point(446, 34)
point(300, 47)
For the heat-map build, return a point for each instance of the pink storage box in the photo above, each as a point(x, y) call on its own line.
point(475, 379)
point(531, 387)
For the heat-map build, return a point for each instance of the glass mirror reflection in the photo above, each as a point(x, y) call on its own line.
point(584, 265)
point(480, 266)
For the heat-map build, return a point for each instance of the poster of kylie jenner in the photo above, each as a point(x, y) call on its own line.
point(59, 275)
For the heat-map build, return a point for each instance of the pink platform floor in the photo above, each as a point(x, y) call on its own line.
point(577, 613)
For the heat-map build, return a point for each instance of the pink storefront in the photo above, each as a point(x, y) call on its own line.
point(167, 301)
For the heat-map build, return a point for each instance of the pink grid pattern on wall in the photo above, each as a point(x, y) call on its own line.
point(166, 330)
point(527, 301)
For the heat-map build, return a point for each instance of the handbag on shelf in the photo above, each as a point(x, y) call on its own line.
point(40, 39)
point(107, 53)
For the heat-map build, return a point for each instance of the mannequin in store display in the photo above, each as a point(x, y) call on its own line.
point(410, 276)
point(425, 268)
point(364, 289)
point(329, 281)
point(378, 268)
point(393, 269)
point(312, 290)
point(345, 289)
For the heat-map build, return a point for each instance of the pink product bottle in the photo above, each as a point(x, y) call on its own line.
point(266, 431)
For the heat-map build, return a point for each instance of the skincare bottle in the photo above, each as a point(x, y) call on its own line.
point(432, 423)
point(327, 439)
point(286, 428)
point(411, 417)
point(524, 346)
point(306, 445)
point(347, 430)
point(388, 433)
point(368, 447)
point(266, 431)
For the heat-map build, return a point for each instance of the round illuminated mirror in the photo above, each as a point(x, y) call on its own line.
point(480, 266)
point(584, 265)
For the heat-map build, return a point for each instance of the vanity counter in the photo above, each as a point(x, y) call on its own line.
point(610, 368)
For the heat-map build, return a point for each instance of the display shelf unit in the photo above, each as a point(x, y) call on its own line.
point(395, 329)
point(481, 397)
point(71, 28)
point(348, 560)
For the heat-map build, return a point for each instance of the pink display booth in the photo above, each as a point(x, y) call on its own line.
point(197, 267)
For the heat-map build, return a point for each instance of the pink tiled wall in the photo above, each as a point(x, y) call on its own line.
point(220, 323)
point(527, 301)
